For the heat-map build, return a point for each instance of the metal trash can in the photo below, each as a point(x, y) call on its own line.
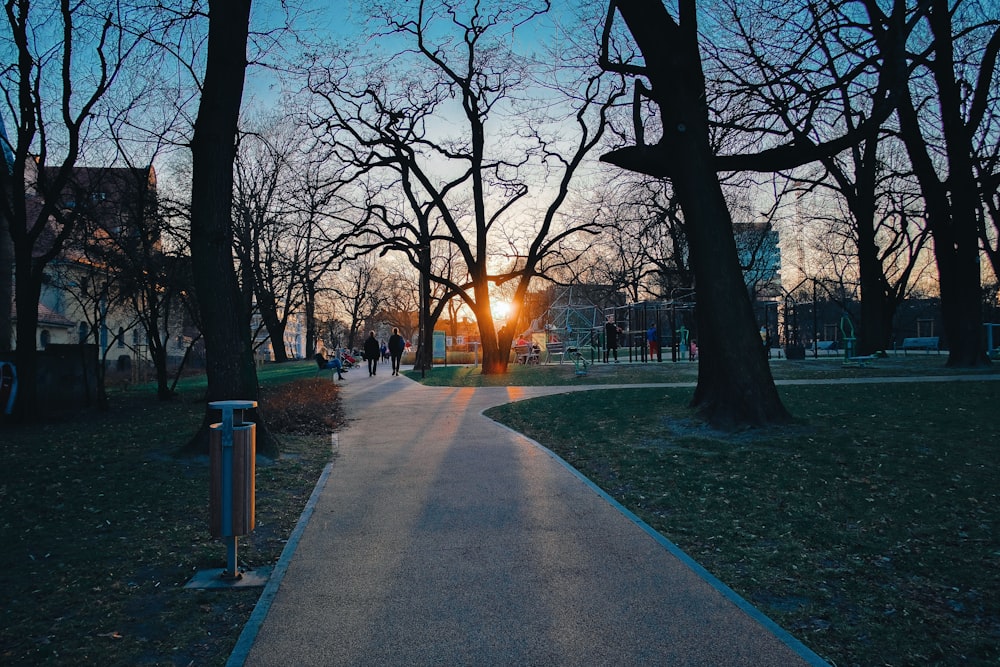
point(232, 450)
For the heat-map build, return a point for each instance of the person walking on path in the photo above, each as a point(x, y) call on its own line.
point(396, 347)
point(372, 353)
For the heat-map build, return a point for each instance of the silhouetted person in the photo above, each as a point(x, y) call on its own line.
point(372, 353)
point(611, 331)
point(396, 347)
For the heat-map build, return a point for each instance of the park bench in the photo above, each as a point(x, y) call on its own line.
point(525, 354)
point(927, 343)
point(555, 348)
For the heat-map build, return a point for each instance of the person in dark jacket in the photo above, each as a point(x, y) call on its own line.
point(372, 353)
point(333, 364)
point(396, 347)
point(611, 331)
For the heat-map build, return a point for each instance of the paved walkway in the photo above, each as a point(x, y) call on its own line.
point(438, 537)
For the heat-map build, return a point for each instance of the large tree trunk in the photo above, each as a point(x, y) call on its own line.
point(225, 321)
point(163, 392)
point(496, 348)
point(6, 274)
point(876, 311)
point(28, 290)
point(958, 252)
point(496, 353)
point(309, 303)
point(961, 300)
point(735, 387)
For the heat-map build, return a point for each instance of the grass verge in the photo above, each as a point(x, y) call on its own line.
point(867, 529)
point(103, 525)
point(824, 367)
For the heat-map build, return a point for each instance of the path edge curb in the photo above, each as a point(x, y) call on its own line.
point(248, 636)
point(782, 635)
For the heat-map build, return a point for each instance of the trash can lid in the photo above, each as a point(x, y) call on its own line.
point(232, 405)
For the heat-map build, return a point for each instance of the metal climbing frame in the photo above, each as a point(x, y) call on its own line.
point(574, 319)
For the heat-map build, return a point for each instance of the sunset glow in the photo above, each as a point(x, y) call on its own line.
point(501, 310)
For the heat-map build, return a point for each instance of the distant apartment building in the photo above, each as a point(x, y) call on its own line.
point(757, 245)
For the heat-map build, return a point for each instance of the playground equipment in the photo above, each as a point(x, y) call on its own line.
point(575, 319)
point(573, 315)
point(682, 335)
point(849, 338)
point(850, 355)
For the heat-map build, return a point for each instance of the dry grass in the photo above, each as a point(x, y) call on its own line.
point(103, 525)
point(868, 529)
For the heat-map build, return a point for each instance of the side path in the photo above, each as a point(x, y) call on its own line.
point(441, 537)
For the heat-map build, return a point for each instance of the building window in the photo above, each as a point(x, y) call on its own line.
point(45, 338)
point(83, 329)
point(121, 336)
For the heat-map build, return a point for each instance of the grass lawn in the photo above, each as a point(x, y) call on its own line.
point(867, 529)
point(103, 525)
point(825, 367)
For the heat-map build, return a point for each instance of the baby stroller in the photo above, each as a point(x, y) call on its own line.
point(347, 360)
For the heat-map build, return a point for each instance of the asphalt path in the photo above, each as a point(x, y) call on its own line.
point(439, 537)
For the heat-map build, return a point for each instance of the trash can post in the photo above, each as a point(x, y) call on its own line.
point(232, 449)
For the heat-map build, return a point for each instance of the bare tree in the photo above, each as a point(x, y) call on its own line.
point(735, 386)
point(988, 173)
point(466, 186)
point(947, 72)
point(323, 224)
point(826, 94)
point(986, 147)
point(264, 234)
point(400, 302)
point(84, 277)
point(358, 289)
point(54, 81)
point(115, 268)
